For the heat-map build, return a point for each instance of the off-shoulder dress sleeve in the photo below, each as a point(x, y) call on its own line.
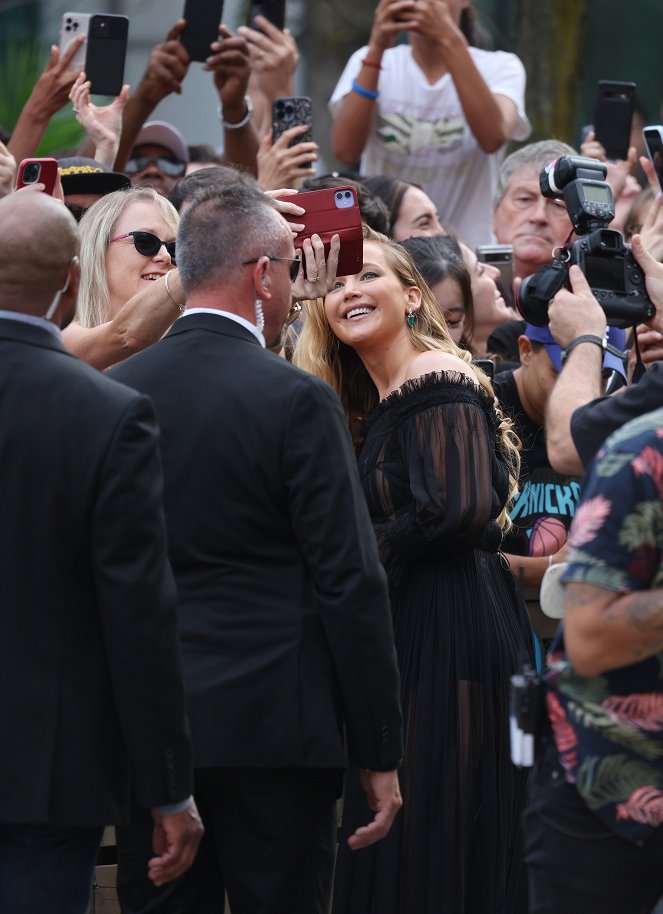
point(432, 478)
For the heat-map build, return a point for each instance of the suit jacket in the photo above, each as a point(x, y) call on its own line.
point(283, 609)
point(90, 675)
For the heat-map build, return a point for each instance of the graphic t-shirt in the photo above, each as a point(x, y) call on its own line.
point(420, 134)
point(545, 505)
point(609, 728)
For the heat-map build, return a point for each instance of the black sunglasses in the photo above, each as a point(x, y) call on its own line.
point(294, 262)
point(148, 244)
point(167, 166)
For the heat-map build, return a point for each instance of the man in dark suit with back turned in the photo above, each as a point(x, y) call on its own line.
point(92, 697)
point(283, 610)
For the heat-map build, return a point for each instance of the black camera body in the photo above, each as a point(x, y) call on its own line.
point(601, 253)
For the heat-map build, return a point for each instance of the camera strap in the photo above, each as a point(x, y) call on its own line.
point(639, 369)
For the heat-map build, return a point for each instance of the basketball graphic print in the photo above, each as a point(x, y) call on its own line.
point(548, 536)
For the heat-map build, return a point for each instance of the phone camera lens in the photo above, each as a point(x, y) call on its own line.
point(348, 195)
point(31, 173)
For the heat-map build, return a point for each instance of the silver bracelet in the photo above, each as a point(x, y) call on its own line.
point(180, 305)
point(247, 117)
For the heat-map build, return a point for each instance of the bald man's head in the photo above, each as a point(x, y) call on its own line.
point(38, 239)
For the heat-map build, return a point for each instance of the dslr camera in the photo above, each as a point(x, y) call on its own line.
point(601, 253)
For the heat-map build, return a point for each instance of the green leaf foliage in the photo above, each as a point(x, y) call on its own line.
point(20, 67)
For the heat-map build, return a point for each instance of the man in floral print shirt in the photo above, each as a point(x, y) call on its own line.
point(594, 835)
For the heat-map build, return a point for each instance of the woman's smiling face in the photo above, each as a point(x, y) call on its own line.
point(128, 271)
point(370, 305)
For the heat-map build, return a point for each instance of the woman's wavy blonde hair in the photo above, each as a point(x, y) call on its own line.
point(96, 229)
point(321, 353)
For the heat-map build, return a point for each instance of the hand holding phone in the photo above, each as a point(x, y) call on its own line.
point(106, 52)
point(203, 18)
point(332, 211)
point(37, 171)
point(73, 25)
point(292, 111)
point(613, 114)
point(272, 10)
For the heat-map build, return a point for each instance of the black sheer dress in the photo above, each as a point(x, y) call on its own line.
point(436, 481)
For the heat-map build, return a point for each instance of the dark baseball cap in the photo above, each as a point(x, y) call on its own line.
point(80, 175)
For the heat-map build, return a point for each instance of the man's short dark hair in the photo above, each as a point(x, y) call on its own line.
point(216, 177)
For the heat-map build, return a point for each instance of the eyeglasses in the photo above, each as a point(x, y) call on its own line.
point(294, 262)
point(148, 244)
point(170, 167)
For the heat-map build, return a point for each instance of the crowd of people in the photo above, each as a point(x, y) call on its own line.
point(275, 537)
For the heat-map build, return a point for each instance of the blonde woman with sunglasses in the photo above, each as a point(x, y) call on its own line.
point(130, 291)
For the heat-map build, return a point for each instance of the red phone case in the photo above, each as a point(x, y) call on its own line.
point(37, 171)
point(332, 211)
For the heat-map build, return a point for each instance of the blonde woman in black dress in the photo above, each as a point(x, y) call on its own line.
point(439, 465)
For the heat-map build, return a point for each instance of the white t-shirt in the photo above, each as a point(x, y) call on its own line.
point(420, 134)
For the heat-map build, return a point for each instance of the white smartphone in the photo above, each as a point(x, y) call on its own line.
point(74, 24)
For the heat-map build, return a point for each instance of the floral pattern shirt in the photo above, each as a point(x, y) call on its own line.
point(609, 728)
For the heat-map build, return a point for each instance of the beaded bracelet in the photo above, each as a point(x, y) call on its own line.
point(365, 93)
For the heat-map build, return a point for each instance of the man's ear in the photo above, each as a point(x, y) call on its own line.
point(525, 349)
point(74, 277)
point(261, 278)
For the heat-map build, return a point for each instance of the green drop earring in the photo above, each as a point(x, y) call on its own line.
point(410, 319)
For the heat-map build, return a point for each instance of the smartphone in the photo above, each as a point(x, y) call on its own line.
point(500, 256)
point(292, 111)
point(106, 51)
point(613, 114)
point(653, 137)
point(273, 10)
point(72, 25)
point(332, 211)
point(37, 171)
point(203, 18)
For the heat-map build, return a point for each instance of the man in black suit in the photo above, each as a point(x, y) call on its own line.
point(92, 698)
point(283, 611)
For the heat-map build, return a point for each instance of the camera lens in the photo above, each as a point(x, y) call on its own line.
point(31, 173)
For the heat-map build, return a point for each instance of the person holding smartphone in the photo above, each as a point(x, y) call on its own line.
point(437, 111)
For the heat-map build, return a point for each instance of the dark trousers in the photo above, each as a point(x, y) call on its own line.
point(269, 842)
point(46, 870)
point(575, 863)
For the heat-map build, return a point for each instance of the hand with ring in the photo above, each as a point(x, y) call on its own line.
point(318, 275)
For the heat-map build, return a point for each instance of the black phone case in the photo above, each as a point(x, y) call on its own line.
point(203, 18)
point(106, 52)
point(291, 111)
point(613, 115)
point(273, 10)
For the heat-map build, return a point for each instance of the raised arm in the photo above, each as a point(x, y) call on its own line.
point(50, 93)
point(492, 118)
point(166, 68)
point(230, 64)
point(140, 322)
point(274, 59)
point(353, 119)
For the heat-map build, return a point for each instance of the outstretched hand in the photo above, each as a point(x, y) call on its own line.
point(317, 275)
point(102, 123)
